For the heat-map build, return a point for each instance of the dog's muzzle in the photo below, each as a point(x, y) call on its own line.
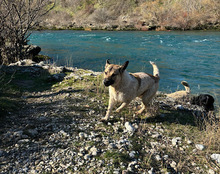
point(108, 82)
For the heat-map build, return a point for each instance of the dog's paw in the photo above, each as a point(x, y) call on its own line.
point(137, 113)
point(140, 111)
point(118, 110)
point(104, 119)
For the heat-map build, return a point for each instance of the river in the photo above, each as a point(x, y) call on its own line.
point(193, 56)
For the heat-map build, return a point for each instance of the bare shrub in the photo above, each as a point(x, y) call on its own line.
point(182, 14)
point(17, 18)
point(101, 16)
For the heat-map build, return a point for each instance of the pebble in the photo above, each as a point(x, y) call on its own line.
point(179, 107)
point(132, 154)
point(165, 157)
point(158, 158)
point(32, 132)
point(112, 146)
point(94, 151)
point(216, 157)
point(176, 141)
point(129, 128)
point(87, 157)
point(156, 135)
point(81, 135)
point(200, 147)
point(62, 133)
point(173, 164)
point(210, 171)
point(151, 171)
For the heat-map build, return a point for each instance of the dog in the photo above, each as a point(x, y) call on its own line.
point(204, 100)
point(125, 86)
point(180, 94)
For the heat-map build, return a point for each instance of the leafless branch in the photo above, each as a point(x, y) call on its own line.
point(17, 18)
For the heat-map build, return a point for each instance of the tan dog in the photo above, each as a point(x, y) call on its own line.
point(180, 94)
point(124, 87)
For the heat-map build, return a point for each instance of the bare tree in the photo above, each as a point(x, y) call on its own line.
point(17, 18)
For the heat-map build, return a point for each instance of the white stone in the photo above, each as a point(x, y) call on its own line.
point(132, 154)
point(165, 157)
point(132, 164)
point(81, 135)
point(94, 151)
point(63, 133)
point(173, 164)
point(23, 141)
point(211, 171)
point(158, 158)
point(216, 157)
point(156, 135)
point(176, 141)
point(129, 128)
point(179, 107)
point(151, 171)
point(189, 142)
point(87, 156)
point(200, 146)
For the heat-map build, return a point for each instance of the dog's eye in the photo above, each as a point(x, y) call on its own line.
point(105, 73)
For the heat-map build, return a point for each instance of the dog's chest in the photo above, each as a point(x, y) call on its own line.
point(119, 96)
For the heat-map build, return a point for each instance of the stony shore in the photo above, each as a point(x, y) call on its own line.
point(58, 129)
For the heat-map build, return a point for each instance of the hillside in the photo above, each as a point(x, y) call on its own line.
point(134, 15)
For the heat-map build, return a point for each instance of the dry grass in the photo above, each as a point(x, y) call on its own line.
point(174, 14)
point(211, 134)
point(183, 14)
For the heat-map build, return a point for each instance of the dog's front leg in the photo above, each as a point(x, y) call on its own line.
point(110, 107)
point(121, 107)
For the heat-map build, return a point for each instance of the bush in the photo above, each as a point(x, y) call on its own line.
point(182, 14)
point(17, 18)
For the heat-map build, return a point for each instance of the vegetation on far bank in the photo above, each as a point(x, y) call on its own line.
point(134, 15)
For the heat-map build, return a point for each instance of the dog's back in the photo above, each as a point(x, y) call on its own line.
point(180, 94)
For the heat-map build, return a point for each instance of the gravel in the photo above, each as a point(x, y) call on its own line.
point(61, 132)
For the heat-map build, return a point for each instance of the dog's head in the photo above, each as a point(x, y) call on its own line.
point(113, 73)
point(205, 100)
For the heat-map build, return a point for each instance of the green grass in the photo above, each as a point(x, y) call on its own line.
point(117, 157)
point(13, 86)
point(175, 123)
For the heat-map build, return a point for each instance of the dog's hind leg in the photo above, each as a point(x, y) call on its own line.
point(143, 107)
point(121, 107)
point(146, 99)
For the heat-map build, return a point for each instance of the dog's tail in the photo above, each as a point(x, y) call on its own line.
point(186, 85)
point(155, 69)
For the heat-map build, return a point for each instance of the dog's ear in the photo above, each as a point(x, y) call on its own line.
point(124, 66)
point(107, 63)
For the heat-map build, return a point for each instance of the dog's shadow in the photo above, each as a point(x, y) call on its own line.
point(172, 116)
point(164, 115)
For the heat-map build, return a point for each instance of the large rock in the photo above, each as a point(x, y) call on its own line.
point(32, 50)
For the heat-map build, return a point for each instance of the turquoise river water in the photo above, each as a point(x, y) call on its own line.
point(190, 56)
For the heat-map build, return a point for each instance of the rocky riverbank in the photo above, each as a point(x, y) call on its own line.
point(133, 15)
point(57, 129)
